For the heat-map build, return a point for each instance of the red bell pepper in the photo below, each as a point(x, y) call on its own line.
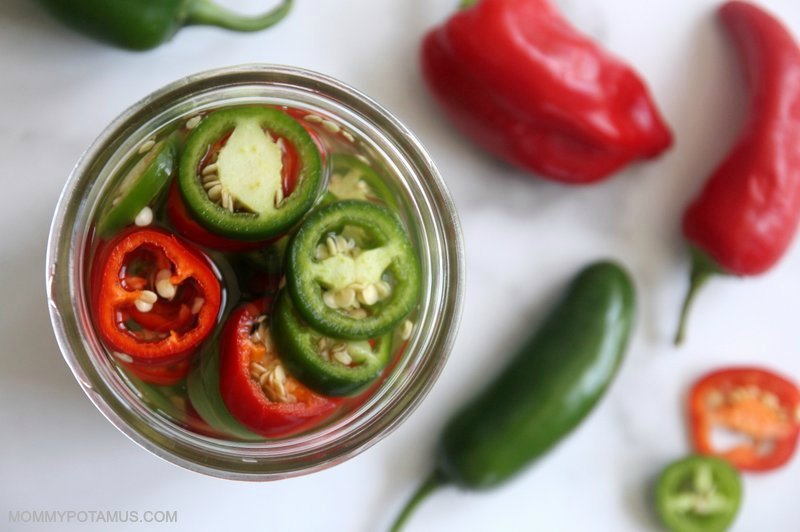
point(752, 402)
point(520, 81)
point(134, 319)
point(747, 214)
point(254, 384)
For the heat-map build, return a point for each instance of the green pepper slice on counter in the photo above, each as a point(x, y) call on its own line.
point(352, 178)
point(143, 182)
point(326, 365)
point(145, 24)
point(698, 494)
point(249, 173)
point(352, 271)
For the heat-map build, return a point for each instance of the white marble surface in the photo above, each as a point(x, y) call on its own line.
point(524, 238)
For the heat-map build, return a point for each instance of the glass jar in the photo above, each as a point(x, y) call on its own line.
point(433, 226)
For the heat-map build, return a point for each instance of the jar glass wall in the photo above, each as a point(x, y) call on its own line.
point(424, 203)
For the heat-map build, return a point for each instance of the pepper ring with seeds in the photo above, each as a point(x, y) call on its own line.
point(352, 271)
point(249, 173)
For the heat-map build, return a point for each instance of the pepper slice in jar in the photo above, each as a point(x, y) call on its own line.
point(352, 178)
point(326, 365)
point(141, 185)
point(254, 384)
point(249, 173)
point(752, 403)
point(352, 271)
point(698, 494)
point(182, 221)
point(168, 375)
point(202, 387)
point(149, 273)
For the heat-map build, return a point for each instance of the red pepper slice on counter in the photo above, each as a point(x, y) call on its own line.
point(747, 213)
point(520, 81)
point(750, 402)
point(157, 300)
point(183, 222)
point(254, 384)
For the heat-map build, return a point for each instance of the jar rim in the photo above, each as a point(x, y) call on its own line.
point(312, 451)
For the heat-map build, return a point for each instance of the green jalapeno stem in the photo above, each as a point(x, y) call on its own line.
point(206, 12)
point(703, 267)
point(435, 481)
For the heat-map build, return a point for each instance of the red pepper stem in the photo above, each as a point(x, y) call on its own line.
point(703, 267)
point(431, 484)
point(467, 3)
point(206, 12)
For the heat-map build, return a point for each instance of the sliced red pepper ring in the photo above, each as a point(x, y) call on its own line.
point(751, 403)
point(254, 383)
point(158, 299)
point(168, 375)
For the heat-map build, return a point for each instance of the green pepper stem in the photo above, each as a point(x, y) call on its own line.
point(703, 267)
point(431, 484)
point(206, 12)
point(467, 3)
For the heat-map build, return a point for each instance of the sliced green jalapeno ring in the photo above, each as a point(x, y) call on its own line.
point(143, 182)
point(352, 271)
point(249, 173)
point(326, 365)
point(698, 494)
point(352, 178)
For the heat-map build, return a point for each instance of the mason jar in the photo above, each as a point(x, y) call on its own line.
point(424, 202)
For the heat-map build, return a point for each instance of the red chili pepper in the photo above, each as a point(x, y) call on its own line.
point(128, 273)
point(751, 402)
point(520, 81)
point(255, 386)
point(747, 214)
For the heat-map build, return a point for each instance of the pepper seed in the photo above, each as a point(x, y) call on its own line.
point(164, 286)
point(369, 295)
point(406, 330)
point(383, 288)
point(123, 357)
point(321, 253)
point(345, 297)
point(144, 218)
point(343, 358)
point(147, 146)
point(314, 119)
point(257, 368)
point(145, 301)
point(193, 122)
point(329, 299)
point(210, 169)
point(215, 192)
point(148, 296)
point(331, 243)
point(330, 127)
point(197, 304)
